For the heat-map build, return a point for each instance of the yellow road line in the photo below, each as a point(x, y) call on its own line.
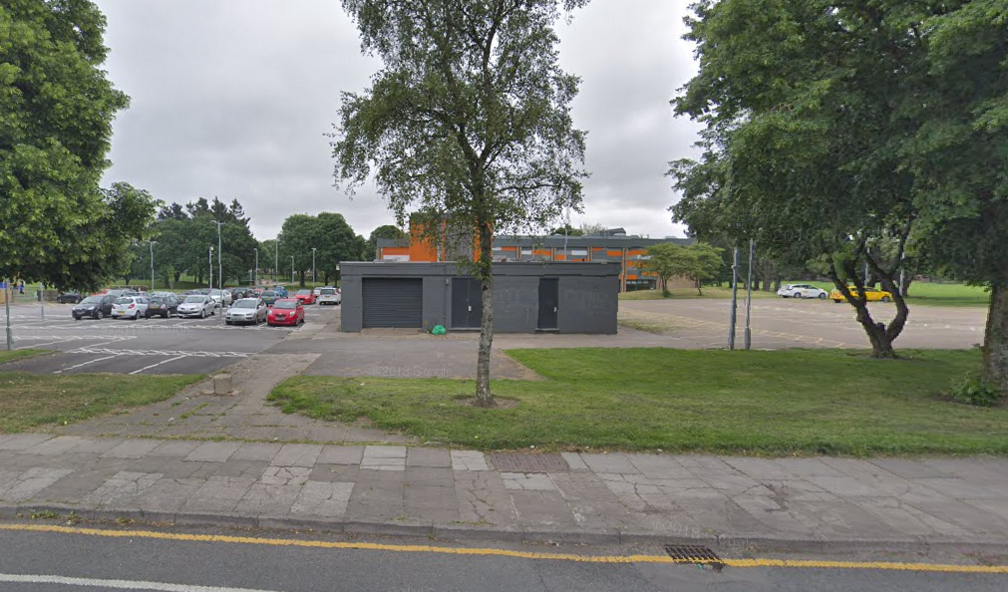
point(742, 563)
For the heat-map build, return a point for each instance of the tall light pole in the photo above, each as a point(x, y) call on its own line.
point(313, 266)
point(220, 269)
point(276, 259)
point(292, 269)
point(210, 257)
point(256, 281)
point(152, 243)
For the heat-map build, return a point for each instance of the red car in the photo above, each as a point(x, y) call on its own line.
point(305, 296)
point(286, 311)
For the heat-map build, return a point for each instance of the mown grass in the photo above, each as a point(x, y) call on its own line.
point(19, 354)
point(30, 400)
point(691, 293)
point(777, 402)
point(933, 294)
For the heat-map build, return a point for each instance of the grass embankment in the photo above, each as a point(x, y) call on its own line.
point(779, 402)
point(29, 400)
point(19, 354)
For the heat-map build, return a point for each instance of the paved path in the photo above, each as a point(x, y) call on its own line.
point(593, 497)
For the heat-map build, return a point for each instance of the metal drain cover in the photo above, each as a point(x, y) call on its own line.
point(694, 554)
point(520, 462)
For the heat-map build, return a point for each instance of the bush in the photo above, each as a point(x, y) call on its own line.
point(973, 390)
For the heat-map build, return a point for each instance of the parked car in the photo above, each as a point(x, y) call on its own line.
point(281, 291)
point(247, 310)
point(269, 297)
point(69, 297)
point(316, 292)
point(221, 297)
point(97, 307)
point(197, 305)
point(871, 295)
point(237, 293)
point(129, 307)
point(305, 296)
point(801, 291)
point(286, 311)
point(162, 306)
point(329, 296)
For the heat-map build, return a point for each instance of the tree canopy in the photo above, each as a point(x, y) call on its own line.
point(468, 118)
point(698, 262)
point(387, 231)
point(56, 112)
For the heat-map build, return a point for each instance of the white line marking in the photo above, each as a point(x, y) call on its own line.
point(84, 364)
point(156, 365)
point(118, 584)
point(38, 345)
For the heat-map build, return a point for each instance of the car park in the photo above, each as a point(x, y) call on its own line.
point(221, 297)
point(96, 307)
point(247, 310)
point(871, 295)
point(286, 311)
point(305, 296)
point(129, 307)
point(162, 306)
point(329, 296)
point(802, 291)
point(197, 305)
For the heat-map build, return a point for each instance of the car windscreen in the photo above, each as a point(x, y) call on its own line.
point(268, 295)
point(283, 304)
point(156, 299)
point(303, 292)
point(245, 303)
point(92, 300)
point(195, 299)
point(327, 292)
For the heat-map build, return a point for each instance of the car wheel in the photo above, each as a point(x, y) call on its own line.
point(837, 301)
point(136, 315)
point(885, 299)
point(797, 295)
point(100, 315)
point(822, 296)
point(202, 313)
point(227, 322)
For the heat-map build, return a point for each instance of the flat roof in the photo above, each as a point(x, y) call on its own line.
point(616, 242)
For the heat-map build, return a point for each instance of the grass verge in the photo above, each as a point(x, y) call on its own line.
point(20, 354)
point(778, 402)
point(691, 294)
point(29, 400)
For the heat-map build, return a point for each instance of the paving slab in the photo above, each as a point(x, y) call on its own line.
point(341, 455)
point(468, 460)
point(213, 451)
point(133, 449)
point(257, 451)
point(428, 457)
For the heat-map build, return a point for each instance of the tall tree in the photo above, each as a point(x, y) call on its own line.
point(386, 231)
point(469, 116)
point(803, 104)
point(56, 111)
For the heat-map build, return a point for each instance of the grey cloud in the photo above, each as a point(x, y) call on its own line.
point(232, 98)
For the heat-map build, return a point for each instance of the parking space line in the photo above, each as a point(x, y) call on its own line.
point(84, 364)
point(158, 364)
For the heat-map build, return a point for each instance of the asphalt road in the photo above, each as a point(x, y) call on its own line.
point(52, 561)
point(147, 346)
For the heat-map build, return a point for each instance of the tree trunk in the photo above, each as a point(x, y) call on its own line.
point(178, 276)
point(880, 338)
point(995, 348)
point(776, 284)
point(302, 278)
point(484, 398)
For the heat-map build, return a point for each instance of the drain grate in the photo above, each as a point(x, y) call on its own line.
point(698, 554)
point(520, 462)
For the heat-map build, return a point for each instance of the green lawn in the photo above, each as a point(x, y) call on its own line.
point(30, 400)
point(779, 403)
point(18, 354)
point(931, 293)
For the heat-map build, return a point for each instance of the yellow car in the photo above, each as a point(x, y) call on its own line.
point(871, 295)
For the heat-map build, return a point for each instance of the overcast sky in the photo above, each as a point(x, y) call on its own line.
point(233, 97)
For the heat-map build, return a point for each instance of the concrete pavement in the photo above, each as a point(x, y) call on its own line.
point(596, 498)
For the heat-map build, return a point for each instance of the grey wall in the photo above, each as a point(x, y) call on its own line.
point(588, 294)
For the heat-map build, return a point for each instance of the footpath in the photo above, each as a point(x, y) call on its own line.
point(800, 504)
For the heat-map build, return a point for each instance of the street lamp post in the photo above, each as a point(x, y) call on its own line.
point(210, 257)
point(292, 270)
point(256, 281)
point(276, 259)
point(220, 269)
point(152, 243)
point(313, 266)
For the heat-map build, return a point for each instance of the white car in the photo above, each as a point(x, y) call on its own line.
point(221, 296)
point(329, 296)
point(802, 291)
point(197, 305)
point(247, 310)
point(129, 307)
point(316, 292)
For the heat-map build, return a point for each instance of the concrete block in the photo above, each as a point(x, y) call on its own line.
point(222, 384)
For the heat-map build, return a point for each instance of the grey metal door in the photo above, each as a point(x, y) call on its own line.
point(392, 302)
point(549, 302)
point(467, 303)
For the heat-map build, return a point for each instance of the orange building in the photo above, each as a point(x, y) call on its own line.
point(609, 245)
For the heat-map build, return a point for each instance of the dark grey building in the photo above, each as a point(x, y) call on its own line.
point(528, 297)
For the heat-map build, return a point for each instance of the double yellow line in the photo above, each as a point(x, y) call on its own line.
point(486, 552)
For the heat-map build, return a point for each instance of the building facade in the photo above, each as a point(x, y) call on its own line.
point(611, 246)
point(529, 297)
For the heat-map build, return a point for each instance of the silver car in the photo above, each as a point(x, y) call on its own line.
point(247, 310)
point(197, 305)
point(329, 296)
point(221, 297)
